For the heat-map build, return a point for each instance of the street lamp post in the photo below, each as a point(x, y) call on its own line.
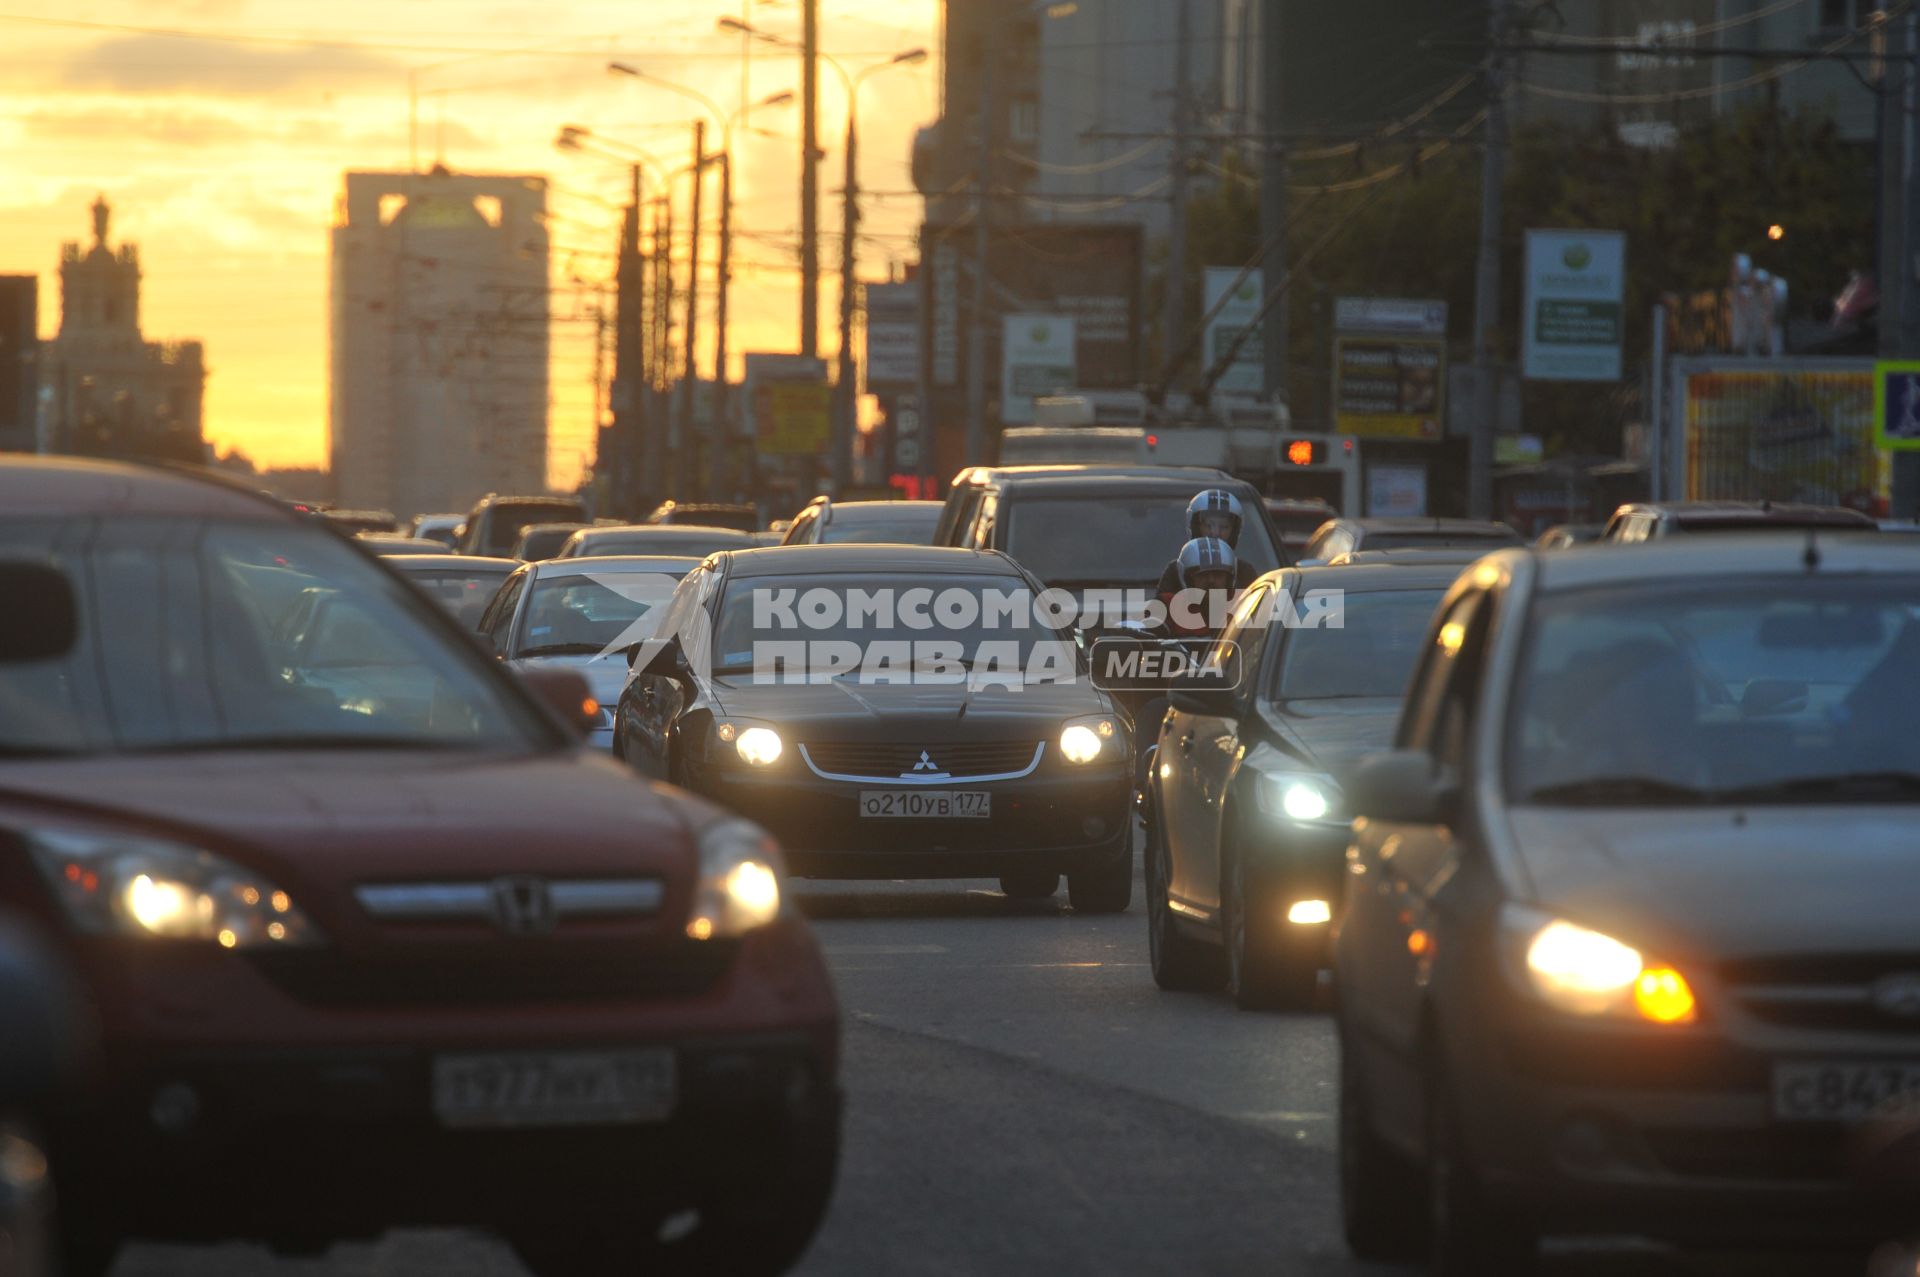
point(846, 399)
point(717, 471)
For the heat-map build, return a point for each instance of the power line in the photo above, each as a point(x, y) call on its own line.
point(1692, 33)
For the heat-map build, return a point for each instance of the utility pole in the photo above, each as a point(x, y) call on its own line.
point(1174, 322)
point(1273, 197)
point(719, 469)
point(653, 476)
point(1899, 333)
point(690, 374)
point(976, 450)
point(629, 359)
point(846, 401)
point(810, 179)
point(1486, 283)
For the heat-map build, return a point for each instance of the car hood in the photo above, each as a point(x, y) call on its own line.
point(605, 675)
point(318, 822)
point(1723, 883)
point(1332, 734)
point(847, 710)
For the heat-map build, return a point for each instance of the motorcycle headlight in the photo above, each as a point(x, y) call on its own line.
point(131, 886)
point(1086, 740)
point(757, 744)
point(1299, 796)
point(740, 882)
point(1584, 972)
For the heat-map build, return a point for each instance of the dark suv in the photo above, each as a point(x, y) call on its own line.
point(1083, 527)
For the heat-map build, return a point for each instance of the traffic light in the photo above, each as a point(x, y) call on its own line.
point(1305, 452)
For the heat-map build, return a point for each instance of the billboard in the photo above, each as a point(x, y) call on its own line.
point(893, 336)
point(1036, 359)
point(1389, 367)
point(790, 403)
point(1572, 316)
point(1239, 311)
point(1800, 430)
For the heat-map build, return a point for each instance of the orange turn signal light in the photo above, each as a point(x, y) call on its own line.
point(1662, 995)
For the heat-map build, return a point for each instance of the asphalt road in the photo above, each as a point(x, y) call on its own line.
point(1023, 1100)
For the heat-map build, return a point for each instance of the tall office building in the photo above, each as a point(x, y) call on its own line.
point(439, 339)
point(19, 363)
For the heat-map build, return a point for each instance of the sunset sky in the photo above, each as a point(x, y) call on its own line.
point(219, 131)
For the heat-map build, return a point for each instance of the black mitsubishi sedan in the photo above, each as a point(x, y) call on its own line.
point(890, 712)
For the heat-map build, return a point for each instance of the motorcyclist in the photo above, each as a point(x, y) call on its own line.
point(1214, 513)
point(1207, 568)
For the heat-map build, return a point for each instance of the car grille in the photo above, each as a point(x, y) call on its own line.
point(1844, 992)
point(880, 760)
point(520, 972)
point(1813, 1155)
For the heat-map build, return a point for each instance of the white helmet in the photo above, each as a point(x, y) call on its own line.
point(1204, 554)
point(1215, 502)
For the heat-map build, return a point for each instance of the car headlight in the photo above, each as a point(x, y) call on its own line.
point(739, 887)
point(1299, 796)
point(1086, 740)
point(131, 886)
point(1584, 972)
point(757, 745)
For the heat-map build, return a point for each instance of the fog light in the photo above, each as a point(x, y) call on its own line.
point(1661, 994)
point(175, 1107)
point(1309, 913)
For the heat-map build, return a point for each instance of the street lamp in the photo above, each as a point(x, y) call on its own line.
point(846, 401)
point(717, 467)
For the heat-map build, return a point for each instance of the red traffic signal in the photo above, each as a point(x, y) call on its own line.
point(1304, 452)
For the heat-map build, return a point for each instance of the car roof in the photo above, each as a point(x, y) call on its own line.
point(810, 560)
point(1366, 578)
point(497, 498)
point(1409, 554)
point(1425, 523)
point(475, 563)
point(1139, 479)
point(682, 563)
point(1789, 513)
point(1063, 469)
point(77, 485)
point(566, 526)
point(1735, 554)
point(657, 530)
point(881, 507)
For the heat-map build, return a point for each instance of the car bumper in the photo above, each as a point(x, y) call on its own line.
point(1063, 823)
point(1591, 1129)
point(225, 1105)
point(1297, 863)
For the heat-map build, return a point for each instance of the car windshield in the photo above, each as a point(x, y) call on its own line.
point(903, 528)
point(585, 615)
point(1372, 653)
point(465, 594)
point(239, 634)
point(888, 626)
point(662, 541)
point(1765, 690)
point(511, 518)
point(1114, 538)
point(543, 543)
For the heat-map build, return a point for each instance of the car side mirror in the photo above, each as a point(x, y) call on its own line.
point(1209, 702)
point(39, 619)
point(568, 694)
point(1401, 787)
point(669, 661)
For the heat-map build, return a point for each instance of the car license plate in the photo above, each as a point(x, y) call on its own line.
point(926, 804)
point(554, 1088)
point(1845, 1092)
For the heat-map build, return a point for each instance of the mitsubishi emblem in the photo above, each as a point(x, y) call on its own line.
point(926, 763)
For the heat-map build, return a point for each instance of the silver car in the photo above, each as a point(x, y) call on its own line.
point(1628, 939)
point(581, 614)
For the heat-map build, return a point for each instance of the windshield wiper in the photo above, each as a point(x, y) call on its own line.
point(1602, 791)
point(1880, 784)
point(563, 649)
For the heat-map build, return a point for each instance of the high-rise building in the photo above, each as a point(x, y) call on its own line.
point(110, 391)
point(439, 339)
point(19, 363)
